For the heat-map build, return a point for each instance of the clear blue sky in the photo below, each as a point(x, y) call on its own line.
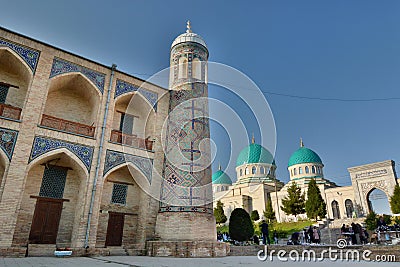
point(324, 49)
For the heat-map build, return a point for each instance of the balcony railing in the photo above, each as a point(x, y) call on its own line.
point(131, 140)
point(10, 112)
point(67, 126)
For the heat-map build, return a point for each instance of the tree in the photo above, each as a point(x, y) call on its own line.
point(219, 213)
point(371, 221)
point(395, 200)
point(293, 203)
point(315, 205)
point(387, 219)
point(269, 213)
point(254, 215)
point(240, 225)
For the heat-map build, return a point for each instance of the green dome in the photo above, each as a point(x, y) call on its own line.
point(221, 177)
point(304, 155)
point(254, 153)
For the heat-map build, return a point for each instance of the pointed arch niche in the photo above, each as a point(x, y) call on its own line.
point(133, 121)
point(15, 79)
point(72, 104)
point(71, 180)
point(120, 207)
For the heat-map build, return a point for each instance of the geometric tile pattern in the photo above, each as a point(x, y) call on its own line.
point(125, 87)
point(8, 138)
point(42, 145)
point(53, 182)
point(61, 66)
point(185, 209)
point(119, 193)
point(186, 185)
point(115, 158)
point(29, 55)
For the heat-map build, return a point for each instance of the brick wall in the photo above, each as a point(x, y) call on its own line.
point(72, 97)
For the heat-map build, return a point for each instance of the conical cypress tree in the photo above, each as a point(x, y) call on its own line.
point(293, 203)
point(219, 213)
point(269, 213)
point(315, 204)
point(395, 200)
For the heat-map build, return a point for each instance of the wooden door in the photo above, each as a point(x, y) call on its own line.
point(115, 229)
point(46, 220)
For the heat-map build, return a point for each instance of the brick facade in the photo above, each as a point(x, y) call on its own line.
point(74, 93)
point(64, 110)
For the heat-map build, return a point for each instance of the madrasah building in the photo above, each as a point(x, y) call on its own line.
point(256, 182)
point(82, 162)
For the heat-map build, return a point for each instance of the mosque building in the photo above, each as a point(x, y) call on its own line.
point(255, 170)
point(256, 180)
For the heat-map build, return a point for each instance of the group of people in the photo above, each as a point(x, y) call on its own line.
point(309, 235)
point(312, 235)
point(223, 237)
point(356, 234)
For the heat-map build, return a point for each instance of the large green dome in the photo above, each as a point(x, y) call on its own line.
point(220, 177)
point(304, 155)
point(254, 153)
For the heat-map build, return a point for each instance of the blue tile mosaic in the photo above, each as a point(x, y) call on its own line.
point(8, 138)
point(185, 209)
point(124, 87)
point(29, 55)
point(42, 145)
point(115, 158)
point(186, 186)
point(61, 66)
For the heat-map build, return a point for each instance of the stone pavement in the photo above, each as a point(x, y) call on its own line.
point(118, 261)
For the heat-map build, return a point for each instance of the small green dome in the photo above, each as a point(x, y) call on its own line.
point(304, 155)
point(220, 177)
point(254, 153)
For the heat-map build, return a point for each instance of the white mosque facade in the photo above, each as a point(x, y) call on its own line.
point(256, 182)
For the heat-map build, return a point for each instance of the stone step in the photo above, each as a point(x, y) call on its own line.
point(41, 250)
point(117, 251)
point(245, 250)
point(136, 252)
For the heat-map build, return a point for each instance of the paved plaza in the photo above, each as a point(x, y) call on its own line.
point(166, 262)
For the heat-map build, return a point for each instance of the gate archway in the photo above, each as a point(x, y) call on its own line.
point(378, 201)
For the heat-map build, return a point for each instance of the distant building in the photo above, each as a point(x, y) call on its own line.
point(369, 182)
point(256, 180)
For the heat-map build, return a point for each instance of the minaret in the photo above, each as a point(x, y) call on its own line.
point(185, 212)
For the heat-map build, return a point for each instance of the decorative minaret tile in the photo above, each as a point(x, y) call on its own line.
point(186, 186)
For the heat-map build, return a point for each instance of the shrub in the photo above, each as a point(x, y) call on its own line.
point(254, 215)
point(240, 225)
point(223, 229)
point(371, 221)
point(387, 219)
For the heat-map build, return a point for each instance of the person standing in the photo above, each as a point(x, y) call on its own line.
point(316, 236)
point(310, 234)
point(381, 222)
point(303, 236)
point(343, 229)
point(319, 234)
point(275, 237)
point(356, 234)
point(265, 233)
